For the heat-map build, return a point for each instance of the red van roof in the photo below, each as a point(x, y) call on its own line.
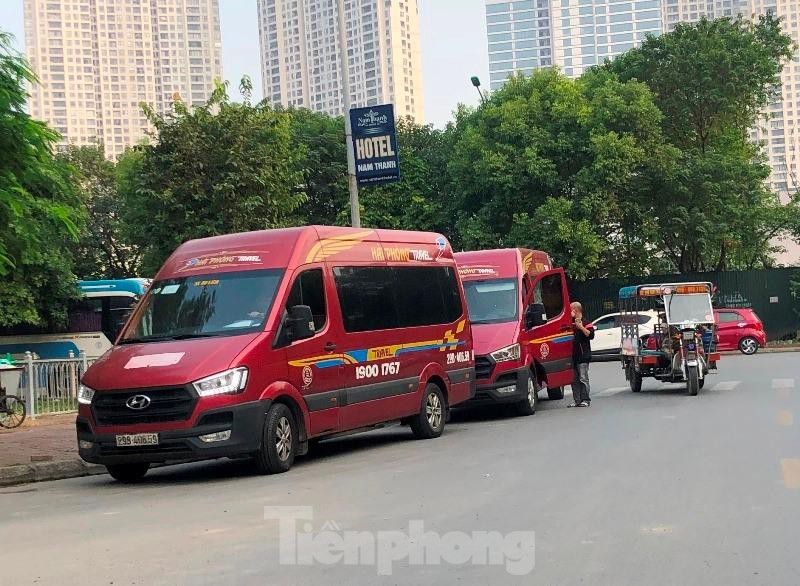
point(298, 246)
point(501, 263)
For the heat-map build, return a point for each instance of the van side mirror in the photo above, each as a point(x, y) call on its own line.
point(299, 323)
point(535, 316)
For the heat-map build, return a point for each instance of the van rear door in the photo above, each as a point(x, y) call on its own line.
point(550, 344)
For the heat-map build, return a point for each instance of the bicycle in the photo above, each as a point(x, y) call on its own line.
point(12, 410)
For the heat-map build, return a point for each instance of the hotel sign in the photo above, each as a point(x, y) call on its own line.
point(375, 144)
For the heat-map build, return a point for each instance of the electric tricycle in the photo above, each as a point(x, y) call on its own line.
point(681, 347)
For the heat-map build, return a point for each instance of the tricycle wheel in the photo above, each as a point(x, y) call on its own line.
point(634, 378)
point(693, 380)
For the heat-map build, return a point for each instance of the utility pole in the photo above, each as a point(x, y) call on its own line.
point(344, 86)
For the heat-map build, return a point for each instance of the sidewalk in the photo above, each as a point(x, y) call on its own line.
point(43, 449)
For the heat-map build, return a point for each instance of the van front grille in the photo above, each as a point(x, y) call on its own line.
point(167, 404)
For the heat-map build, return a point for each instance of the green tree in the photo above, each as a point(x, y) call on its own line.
point(102, 252)
point(419, 200)
point(712, 80)
point(39, 212)
point(323, 164)
point(583, 150)
point(218, 168)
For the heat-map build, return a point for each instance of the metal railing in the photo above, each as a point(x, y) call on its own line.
point(51, 386)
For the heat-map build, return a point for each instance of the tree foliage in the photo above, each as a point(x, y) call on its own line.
point(102, 251)
point(712, 80)
point(39, 212)
point(557, 164)
point(219, 168)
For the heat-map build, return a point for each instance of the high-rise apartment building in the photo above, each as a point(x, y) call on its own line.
point(301, 64)
point(520, 37)
point(587, 32)
point(778, 130)
point(98, 60)
point(576, 34)
point(573, 34)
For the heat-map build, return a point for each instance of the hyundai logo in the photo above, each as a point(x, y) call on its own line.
point(138, 402)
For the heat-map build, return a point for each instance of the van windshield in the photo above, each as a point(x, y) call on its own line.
point(492, 301)
point(204, 306)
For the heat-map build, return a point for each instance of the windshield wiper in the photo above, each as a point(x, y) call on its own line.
point(145, 339)
point(190, 336)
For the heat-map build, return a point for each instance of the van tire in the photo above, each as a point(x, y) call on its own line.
point(278, 442)
point(528, 405)
point(128, 473)
point(429, 422)
point(555, 394)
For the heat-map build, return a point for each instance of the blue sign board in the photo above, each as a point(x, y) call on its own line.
point(375, 144)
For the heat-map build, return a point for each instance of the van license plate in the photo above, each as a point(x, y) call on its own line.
point(137, 439)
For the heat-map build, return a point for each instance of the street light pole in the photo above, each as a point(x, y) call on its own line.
point(344, 86)
point(477, 83)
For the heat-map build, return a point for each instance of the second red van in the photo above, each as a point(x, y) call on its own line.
point(521, 324)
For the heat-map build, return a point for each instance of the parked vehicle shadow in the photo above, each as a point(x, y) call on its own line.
point(225, 469)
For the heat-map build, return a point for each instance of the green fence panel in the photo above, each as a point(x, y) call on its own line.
point(767, 292)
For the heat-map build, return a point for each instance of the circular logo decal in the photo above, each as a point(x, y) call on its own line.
point(308, 375)
point(192, 262)
point(544, 350)
point(441, 243)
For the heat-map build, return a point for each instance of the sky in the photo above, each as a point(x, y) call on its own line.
point(453, 48)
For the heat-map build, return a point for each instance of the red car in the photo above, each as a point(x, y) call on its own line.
point(740, 329)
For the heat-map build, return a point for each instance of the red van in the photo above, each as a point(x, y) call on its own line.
point(521, 325)
point(256, 343)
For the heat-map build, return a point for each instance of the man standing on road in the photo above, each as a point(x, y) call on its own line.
point(581, 356)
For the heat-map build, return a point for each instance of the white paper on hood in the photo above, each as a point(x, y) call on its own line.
point(164, 359)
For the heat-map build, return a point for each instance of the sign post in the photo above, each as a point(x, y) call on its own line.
point(344, 88)
point(375, 145)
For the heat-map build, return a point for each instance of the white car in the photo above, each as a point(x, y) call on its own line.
point(608, 331)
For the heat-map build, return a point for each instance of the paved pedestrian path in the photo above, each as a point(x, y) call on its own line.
point(45, 439)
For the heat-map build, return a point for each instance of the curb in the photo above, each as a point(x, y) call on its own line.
point(779, 349)
point(44, 471)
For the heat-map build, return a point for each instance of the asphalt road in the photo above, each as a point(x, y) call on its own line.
point(654, 488)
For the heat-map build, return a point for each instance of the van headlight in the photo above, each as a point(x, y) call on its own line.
point(85, 395)
point(224, 383)
point(506, 354)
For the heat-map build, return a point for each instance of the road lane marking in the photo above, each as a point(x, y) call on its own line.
point(657, 530)
point(783, 383)
point(785, 418)
point(791, 472)
point(726, 385)
point(611, 391)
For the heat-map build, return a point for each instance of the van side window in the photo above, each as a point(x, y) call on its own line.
point(548, 291)
point(309, 289)
point(382, 298)
point(426, 296)
point(366, 299)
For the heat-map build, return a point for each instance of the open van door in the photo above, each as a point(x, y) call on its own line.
point(548, 330)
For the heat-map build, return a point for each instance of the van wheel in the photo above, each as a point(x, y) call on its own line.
point(279, 441)
point(555, 394)
point(528, 405)
point(429, 423)
point(128, 473)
